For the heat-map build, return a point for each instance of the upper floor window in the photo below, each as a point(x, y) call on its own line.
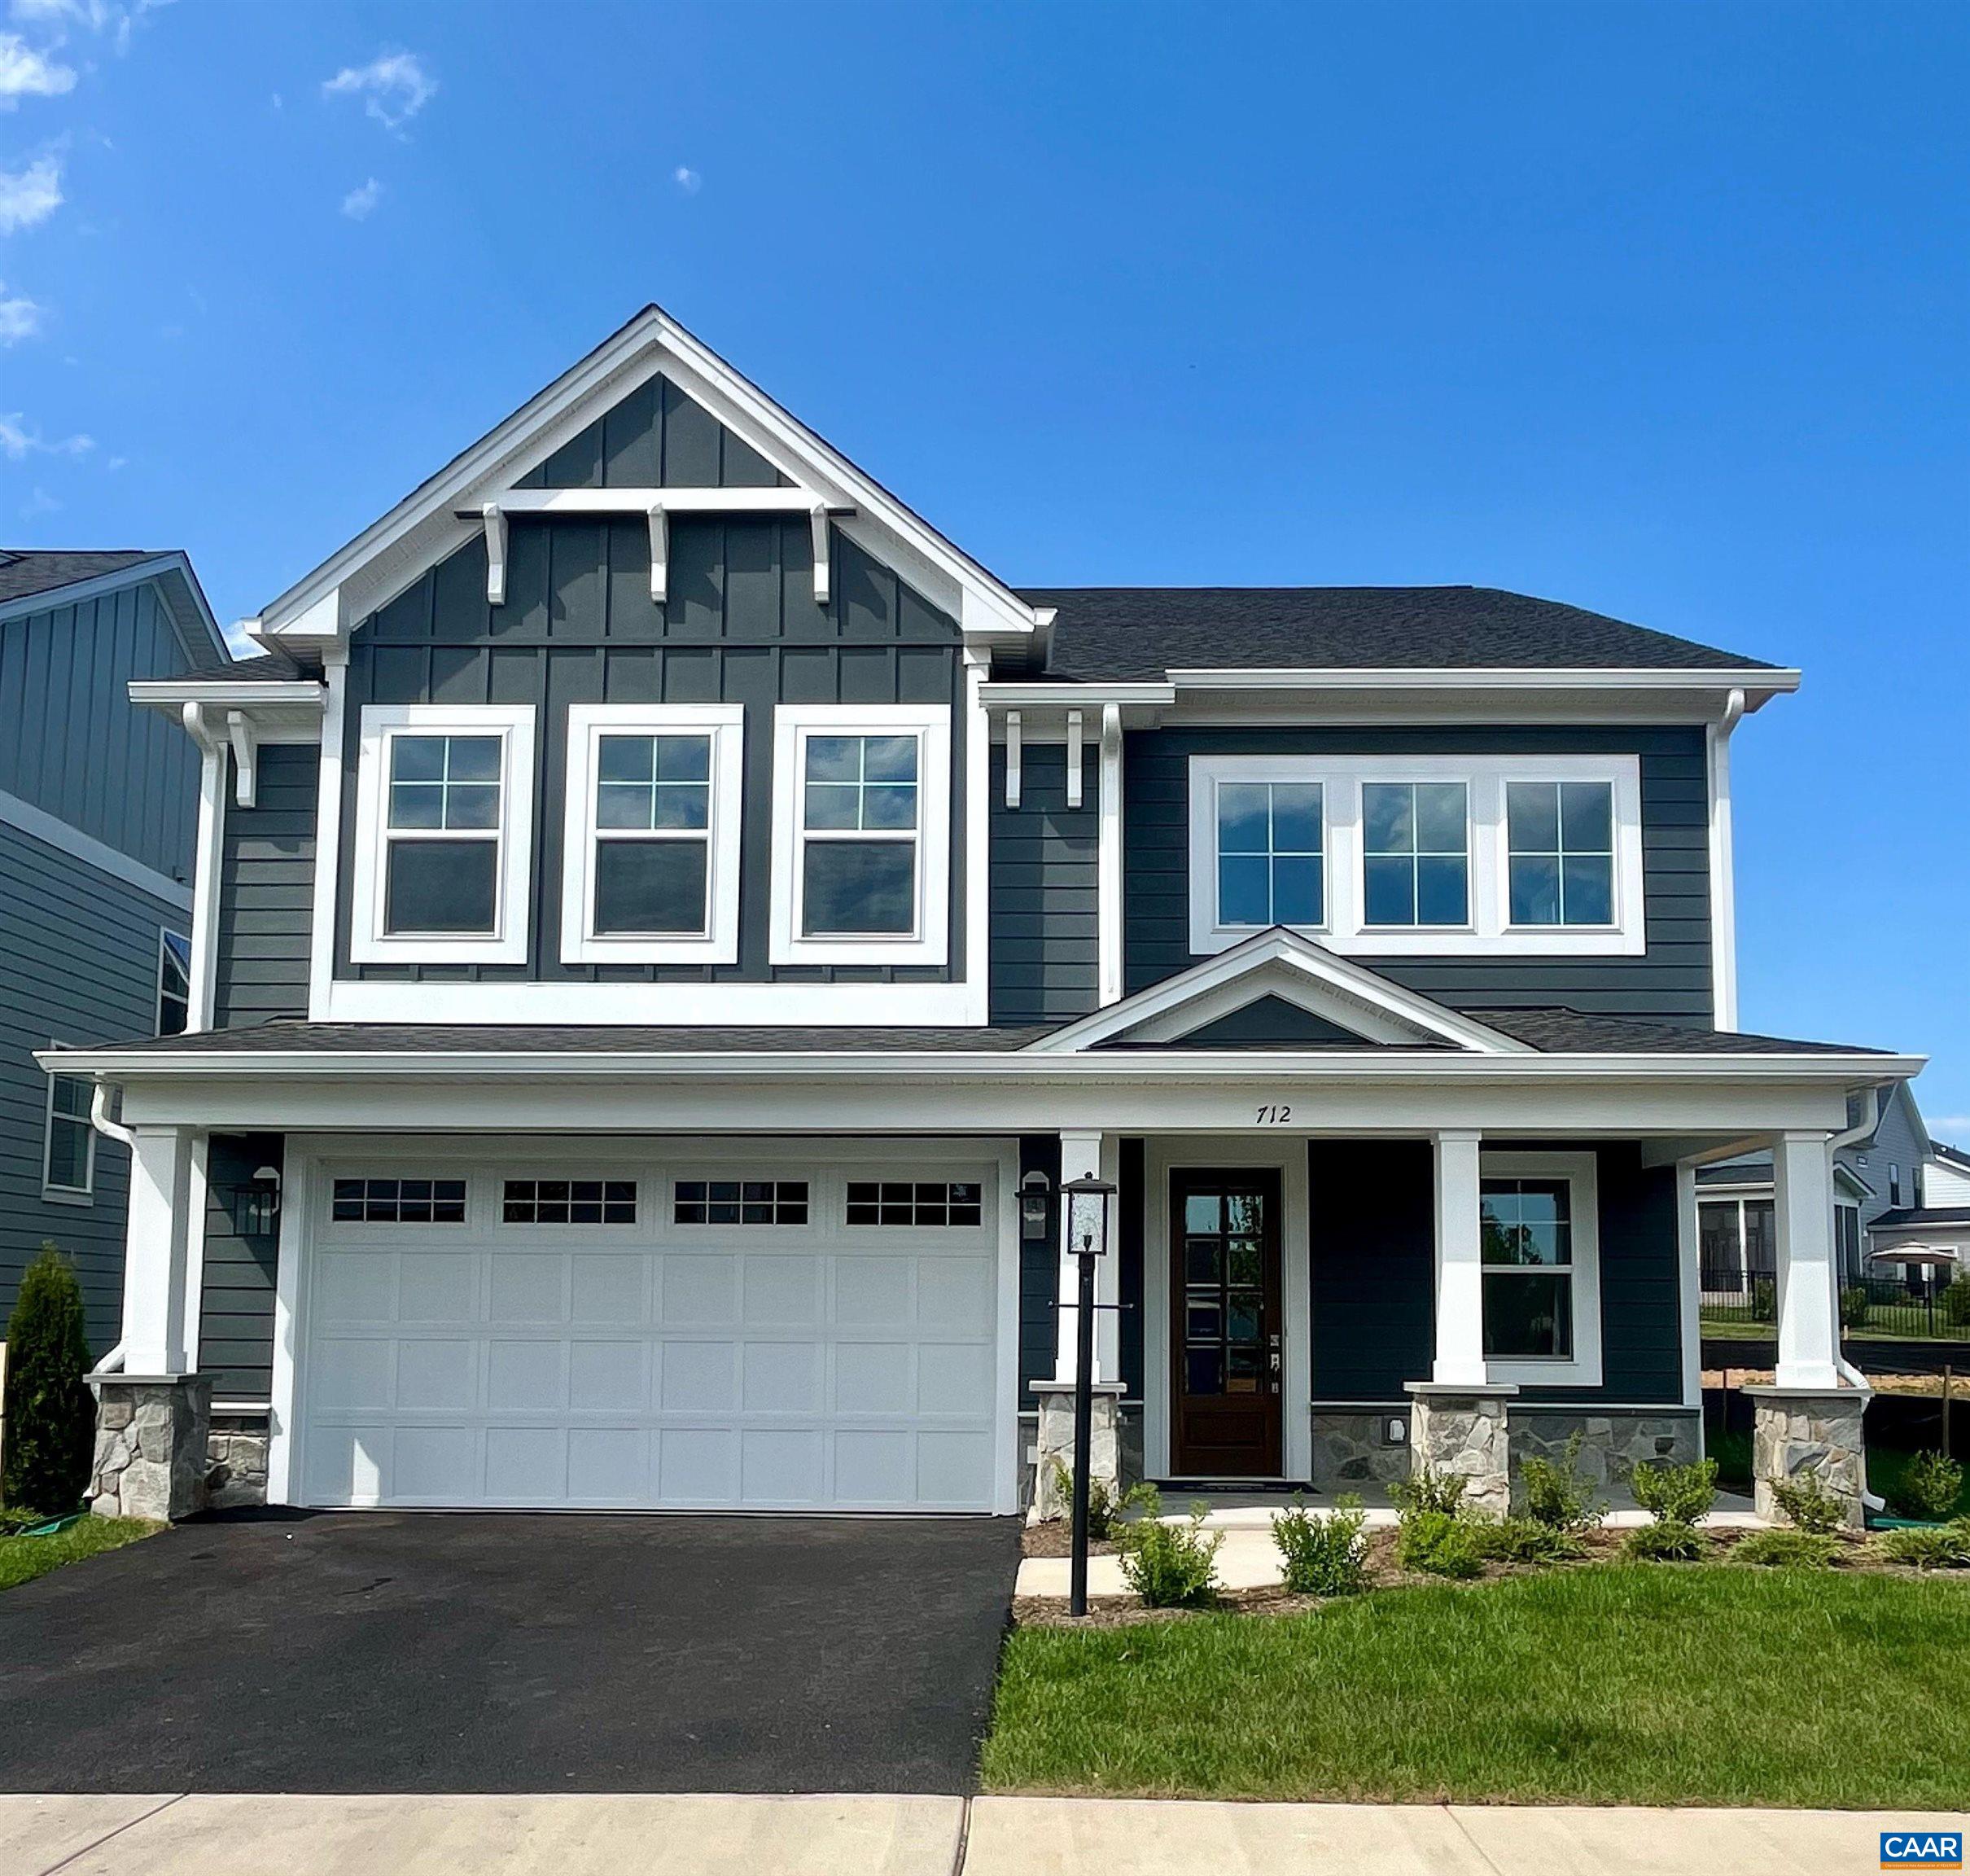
point(1271, 870)
point(174, 983)
point(443, 825)
point(1561, 853)
point(861, 834)
point(650, 868)
point(1415, 843)
point(68, 1145)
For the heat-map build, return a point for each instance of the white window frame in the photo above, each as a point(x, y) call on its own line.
point(51, 1193)
point(931, 723)
point(513, 724)
point(1581, 1171)
point(165, 934)
point(1488, 932)
point(718, 942)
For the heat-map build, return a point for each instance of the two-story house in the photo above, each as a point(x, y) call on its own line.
point(98, 805)
point(675, 920)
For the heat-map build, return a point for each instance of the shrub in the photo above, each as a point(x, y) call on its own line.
point(1106, 1506)
point(1764, 1300)
point(1676, 1494)
point(1810, 1506)
point(1665, 1541)
point(1439, 1543)
point(1854, 1307)
point(1322, 1556)
point(1946, 1547)
point(1527, 1541)
point(1171, 1566)
point(1928, 1487)
point(1556, 1494)
point(1429, 1491)
point(50, 1416)
point(1789, 1549)
point(1955, 1301)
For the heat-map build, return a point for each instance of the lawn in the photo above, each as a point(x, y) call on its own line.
point(1647, 1683)
point(23, 1559)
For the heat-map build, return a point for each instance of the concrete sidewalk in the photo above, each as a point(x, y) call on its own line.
point(568, 1835)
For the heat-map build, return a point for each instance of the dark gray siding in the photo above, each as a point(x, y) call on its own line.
point(1671, 981)
point(1038, 1276)
point(655, 438)
point(73, 744)
point(740, 626)
point(78, 963)
point(236, 1301)
point(1045, 965)
point(1641, 1330)
point(266, 890)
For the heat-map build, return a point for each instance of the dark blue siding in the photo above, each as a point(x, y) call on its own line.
point(267, 892)
point(1045, 963)
point(236, 1302)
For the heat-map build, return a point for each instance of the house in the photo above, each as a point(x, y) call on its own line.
point(1935, 1231)
point(98, 803)
point(671, 922)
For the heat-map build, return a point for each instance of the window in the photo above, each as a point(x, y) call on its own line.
point(1894, 1184)
point(1540, 1241)
point(742, 1202)
point(568, 1202)
point(1269, 854)
point(904, 1202)
point(174, 983)
point(68, 1148)
point(398, 1202)
point(444, 819)
point(862, 835)
point(1847, 1241)
point(1737, 1246)
point(1415, 848)
point(1561, 853)
point(652, 867)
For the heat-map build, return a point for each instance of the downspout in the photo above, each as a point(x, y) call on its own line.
point(1870, 1119)
point(1723, 888)
point(99, 1118)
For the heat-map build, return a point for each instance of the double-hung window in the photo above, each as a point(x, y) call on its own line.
point(650, 867)
point(444, 801)
point(1271, 866)
point(861, 834)
point(1416, 846)
point(68, 1146)
point(1560, 841)
point(1538, 1231)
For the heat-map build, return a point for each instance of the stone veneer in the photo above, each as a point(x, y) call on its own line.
point(151, 1433)
point(236, 1461)
point(1611, 1445)
point(1465, 1432)
point(1800, 1433)
point(1055, 1442)
point(1350, 1453)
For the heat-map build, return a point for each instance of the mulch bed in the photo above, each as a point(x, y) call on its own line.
point(1055, 1538)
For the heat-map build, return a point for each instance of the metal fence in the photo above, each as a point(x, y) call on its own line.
point(1747, 1304)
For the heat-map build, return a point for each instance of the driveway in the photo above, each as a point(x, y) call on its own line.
point(387, 1651)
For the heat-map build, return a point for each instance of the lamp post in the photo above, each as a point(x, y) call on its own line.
point(1085, 1209)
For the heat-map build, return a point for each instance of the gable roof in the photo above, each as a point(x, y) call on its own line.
point(32, 578)
point(25, 571)
point(1110, 634)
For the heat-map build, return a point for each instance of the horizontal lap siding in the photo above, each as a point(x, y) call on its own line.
point(1044, 963)
point(1671, 981)
point(236, 1301)
point(1039, 1276)
point(267, 892)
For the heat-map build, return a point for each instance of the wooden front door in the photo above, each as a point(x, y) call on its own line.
point(1225, 1323)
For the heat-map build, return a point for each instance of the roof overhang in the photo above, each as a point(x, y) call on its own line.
point(191, 614)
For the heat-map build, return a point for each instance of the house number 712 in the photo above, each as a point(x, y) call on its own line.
point(1274, 1116)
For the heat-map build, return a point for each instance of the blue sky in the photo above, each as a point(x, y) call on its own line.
point(1660, 310)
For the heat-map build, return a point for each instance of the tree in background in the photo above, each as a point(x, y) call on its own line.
point(50, 1416)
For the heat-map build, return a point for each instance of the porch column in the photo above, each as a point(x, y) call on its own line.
point(1809, 1275)
point(1460, 1350)
point(1082, 1157)
point(155, 1246)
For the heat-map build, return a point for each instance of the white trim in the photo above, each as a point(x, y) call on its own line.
point(1689, 1280)
point(197, 1191)
point(495, 520)
point(52, 831)
point(1457, 1264)
point(1489, 931)
point(724, 725)
point(1075, 760)
point(1723, 869)
point(1108, 861)
point(1013, 775)
point(817, 1005)
point(300, 1188)
point(329, 774)
point(1484, 677)
point(976, 984)
point(1580, 1171)
point(620, 500)
point(512, 723)
point(51, 1192)
point(215, 688)
point(208, 872)
point(930, 723)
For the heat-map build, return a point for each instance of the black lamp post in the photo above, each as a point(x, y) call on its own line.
point(1084, 1205)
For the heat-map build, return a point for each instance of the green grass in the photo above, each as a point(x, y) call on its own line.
point(1885, 1468)
point(1639, 1685)
point(22, 1559)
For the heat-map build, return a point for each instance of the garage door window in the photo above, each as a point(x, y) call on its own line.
point(569, 1202)
point(742, 1202)
point(899, 1202)
point(400, 1202)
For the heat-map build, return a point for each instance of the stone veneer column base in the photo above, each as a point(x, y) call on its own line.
point(1056, 1442)
point(1809, 1433)
point(151, 1433)
point(236, 1461)
point(1464, 1431)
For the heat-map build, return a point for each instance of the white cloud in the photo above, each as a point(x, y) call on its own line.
point(394, 86)
point(17, 443)
point(687, 179)
point(114, 17)
point(27, 73)
point(1954, 1126)
point(358, 202)
point(116, 463)
point(29, 196)
point(19, 317)
point(40, 502)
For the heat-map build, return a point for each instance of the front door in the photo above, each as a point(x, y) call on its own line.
point(1225, 1320)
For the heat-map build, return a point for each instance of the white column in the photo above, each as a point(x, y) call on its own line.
point(1809, 1275)
point(1460, 1357)
point(154, 1289)
point(1081, 1158)
point(1689, 1295)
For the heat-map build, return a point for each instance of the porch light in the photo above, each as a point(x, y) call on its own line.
point(1036, 1199)
point(1088, 1200)
point(1086, 1204)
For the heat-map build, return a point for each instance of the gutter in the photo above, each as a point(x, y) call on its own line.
point(99, 1118)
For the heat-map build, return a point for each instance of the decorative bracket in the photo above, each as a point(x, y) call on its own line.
point(1012, 759)
point(246, 749)
point(659, 552)
point(495, 518)
point(1073, 758)
point(818, 514)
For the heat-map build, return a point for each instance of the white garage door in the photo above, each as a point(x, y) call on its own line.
point(765, 1337)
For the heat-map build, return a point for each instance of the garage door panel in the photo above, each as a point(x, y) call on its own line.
point(437, 1376)
point(356, 1287)
point(873, 1377)
point(436, 1286)
point(874, 1292)
point(609, 1377)
point(358, 1375)
point(781, 1292)
point(608, 1290)
point(433, 1464)
point(700, 1291)
point(523, 1376)
point(700, 1377)
point(526, 1465)
point(782, 1466)
point(953, 1292)
point(875, 1468)
point(610, 1466)
point(529, 1287)
point(781, 1377)
point(698, 1466)
point(954, 1377)
point(953, 1469)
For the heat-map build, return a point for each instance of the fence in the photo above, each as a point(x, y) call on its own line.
point(1747, 1305)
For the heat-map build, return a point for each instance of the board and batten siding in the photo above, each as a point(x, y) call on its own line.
point(1671, 982)
point(1044, 963)
point(266, 890)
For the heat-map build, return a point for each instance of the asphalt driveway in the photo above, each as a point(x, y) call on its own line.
point(387, 1651)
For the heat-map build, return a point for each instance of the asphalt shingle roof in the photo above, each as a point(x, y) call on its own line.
point(1920, 1215)
point(26, 571)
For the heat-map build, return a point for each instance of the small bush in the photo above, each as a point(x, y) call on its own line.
point(1789, 1549)
point(1557, 1495)
point(1809, 1505)
point(1945, 1547)
point(50, 1416)
point(1440, 1544)
point(1928, 1487)
point(1527, 1541)
point(1764, 1300)
point(1955, 1304)
point(1106, 1506)
point(1676, 1494)
point(13, 1521)
point(1172, 1566)
point(1323, 1556)
point(1665, 1541)
point(1854, 1307)
point(1430, 1490)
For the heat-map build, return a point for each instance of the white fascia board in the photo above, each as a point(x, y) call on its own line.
point(642, 500)
point(1488, 677)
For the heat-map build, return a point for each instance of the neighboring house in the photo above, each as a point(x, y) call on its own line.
point(1945, 1176)
point(1939, 1224)
point(98, 807)
point(671, 921)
